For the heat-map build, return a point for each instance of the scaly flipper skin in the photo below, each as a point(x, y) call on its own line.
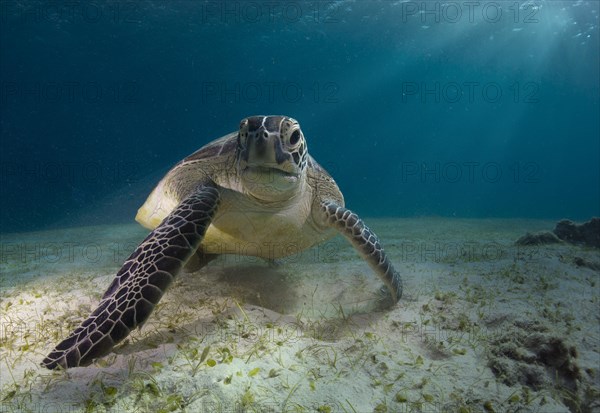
point(366, 243)
point(140, 283)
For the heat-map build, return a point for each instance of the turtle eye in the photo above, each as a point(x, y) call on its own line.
point(295, 137)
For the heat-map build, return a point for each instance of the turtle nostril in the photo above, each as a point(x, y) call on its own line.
point(265, 134)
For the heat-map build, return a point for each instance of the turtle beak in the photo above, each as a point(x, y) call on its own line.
point(265, 151)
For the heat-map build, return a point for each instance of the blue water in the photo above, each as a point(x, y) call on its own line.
point(468, 109)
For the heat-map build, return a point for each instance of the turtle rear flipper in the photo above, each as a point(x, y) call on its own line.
point(365, 242)
point(140, 283)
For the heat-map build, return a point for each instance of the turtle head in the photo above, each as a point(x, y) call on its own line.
point(272, 157)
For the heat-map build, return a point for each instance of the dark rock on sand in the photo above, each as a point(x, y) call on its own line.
point(587, 234)
point(539, 238)
point(582, 262)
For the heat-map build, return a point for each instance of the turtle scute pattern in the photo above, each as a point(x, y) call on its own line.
point(140, 283)
point(366, 242)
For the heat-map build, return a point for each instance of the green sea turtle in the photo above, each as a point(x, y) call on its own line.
point(256, 192)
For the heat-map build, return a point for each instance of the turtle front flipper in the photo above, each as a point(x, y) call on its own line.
point(140, 283)
point(365, 242)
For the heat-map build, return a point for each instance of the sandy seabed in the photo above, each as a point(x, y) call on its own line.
point(483, 325)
